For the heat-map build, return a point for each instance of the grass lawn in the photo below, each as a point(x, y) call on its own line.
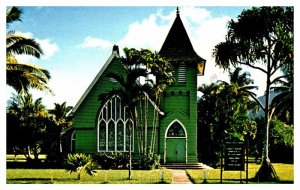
point(61, 176)
point(285, 173)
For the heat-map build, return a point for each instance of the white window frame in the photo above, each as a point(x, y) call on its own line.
point(121, 117)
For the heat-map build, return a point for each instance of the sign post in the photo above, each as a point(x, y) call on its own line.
point(234, 157)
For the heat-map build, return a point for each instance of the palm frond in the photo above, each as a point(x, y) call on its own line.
point(117, 77)
point(24, 76)
point(13, 14)
point(25, 46)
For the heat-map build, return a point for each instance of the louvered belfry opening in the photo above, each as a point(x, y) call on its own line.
point(181, 73)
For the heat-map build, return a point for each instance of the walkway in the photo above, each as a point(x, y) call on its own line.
point(180, 177)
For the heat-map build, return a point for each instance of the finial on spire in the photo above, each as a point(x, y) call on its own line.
point(177, 12)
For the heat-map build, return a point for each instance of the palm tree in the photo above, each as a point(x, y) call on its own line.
point(131, 92)
point(29, 123)
point(58, 120)
point(261, 38)
point(241, 83)
point(139, 64)
point(60, 115)
point(23, 76)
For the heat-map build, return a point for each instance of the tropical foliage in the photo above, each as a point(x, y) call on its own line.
point(136, 93)
point(32, 129)
point(23, 76)
point(80, 163)
point(112, 160)
point(26, 127)
point(223, 113)
point(281, 140)
point(283, 103)
point(58, 120)
point(261, 38)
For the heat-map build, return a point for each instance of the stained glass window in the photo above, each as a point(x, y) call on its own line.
point(176, 130)
point(102, 135)
point(111, 136)
point(128, 126)
point(113, 123)
point(120, 136)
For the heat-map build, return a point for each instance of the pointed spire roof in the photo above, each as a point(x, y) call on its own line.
point(177, 45)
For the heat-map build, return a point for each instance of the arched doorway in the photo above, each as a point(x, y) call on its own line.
point(175, 143)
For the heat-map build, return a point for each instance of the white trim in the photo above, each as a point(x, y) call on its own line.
point(165, 139)
point(175, 120)
point(107, 120)
point(112, 56)
point(154, 104)
point(72, 138)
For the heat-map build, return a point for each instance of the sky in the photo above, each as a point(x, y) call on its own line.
point(77, 41)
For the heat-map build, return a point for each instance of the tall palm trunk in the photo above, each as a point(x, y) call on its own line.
point(146, 121)
point(130, 153)
point(266, 171)
point(155, 116)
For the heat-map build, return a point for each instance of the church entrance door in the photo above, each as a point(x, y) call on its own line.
point(175, 143)
point(175, 150)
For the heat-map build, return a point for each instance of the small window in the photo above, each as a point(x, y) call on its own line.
point(73, 142)
point(180, 93)
point(172, 93)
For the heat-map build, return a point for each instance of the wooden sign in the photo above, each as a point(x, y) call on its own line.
point(234, 156)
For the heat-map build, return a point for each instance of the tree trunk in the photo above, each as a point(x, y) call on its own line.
point(266, 171)
point(130, 156)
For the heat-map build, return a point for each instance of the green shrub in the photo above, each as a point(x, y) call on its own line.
point(281, 142)
point(150, 161)
point(80, 162)
point(113, 160)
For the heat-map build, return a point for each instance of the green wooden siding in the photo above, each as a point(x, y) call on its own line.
point(86, 116)
point(184, 109)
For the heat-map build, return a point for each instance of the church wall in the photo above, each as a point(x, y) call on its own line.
point(86, 117)
point(183, 108)
point(192, 139)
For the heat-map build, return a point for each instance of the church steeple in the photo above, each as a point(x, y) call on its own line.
point(177, 11)
point(177, 45)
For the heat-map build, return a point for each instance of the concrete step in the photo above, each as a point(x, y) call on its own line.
point(185, 166)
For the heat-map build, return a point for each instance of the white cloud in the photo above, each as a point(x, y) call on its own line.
point(204, 30)
point(90, 42)
point(145, 34)
point(49, 48)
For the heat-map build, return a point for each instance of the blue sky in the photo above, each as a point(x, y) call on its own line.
point(78, 40)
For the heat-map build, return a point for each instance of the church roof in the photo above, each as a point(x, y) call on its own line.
point(115, 54)
point(177, 45)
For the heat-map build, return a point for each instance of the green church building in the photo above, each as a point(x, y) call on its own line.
point(103, 126)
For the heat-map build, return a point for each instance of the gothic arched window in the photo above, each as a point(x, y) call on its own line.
point(113, 123)
point(176, 130)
